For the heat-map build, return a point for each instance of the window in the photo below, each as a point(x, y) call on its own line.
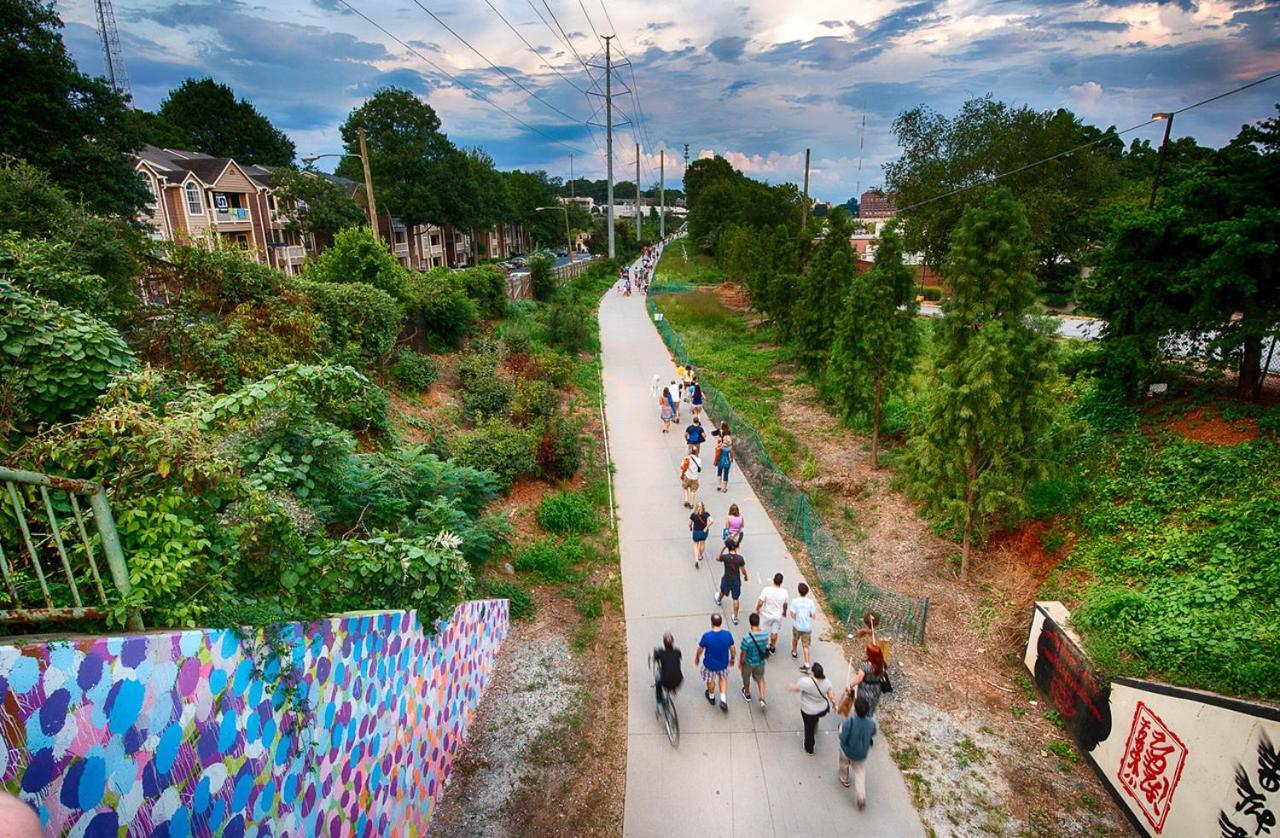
point(194, 204)
point(151, 190)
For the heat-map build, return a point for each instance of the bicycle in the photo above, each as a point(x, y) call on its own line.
point(666, 708)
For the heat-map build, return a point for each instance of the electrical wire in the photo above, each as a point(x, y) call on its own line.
point(458, 81)
point(534, 49)
point(485, 58)
point(1105, 136)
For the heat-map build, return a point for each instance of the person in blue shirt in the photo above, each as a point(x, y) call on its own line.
point(716, 654)
point(695, 435)
point(856, 735)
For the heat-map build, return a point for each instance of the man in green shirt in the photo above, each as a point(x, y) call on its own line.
point(755, 651)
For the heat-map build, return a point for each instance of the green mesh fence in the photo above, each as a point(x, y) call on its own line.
point(849, 596)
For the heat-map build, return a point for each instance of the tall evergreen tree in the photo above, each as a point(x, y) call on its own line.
point(204, 115)
point(817, 298)
point(991, 399)
point(876, 336)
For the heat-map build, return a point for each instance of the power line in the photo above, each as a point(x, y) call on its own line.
point(566, 39)
point(457, 80)
point(1105, 136)
point(583, 6)
point(534, 49)
point(485, 58)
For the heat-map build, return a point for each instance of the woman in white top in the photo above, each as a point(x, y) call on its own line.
point(816, 700)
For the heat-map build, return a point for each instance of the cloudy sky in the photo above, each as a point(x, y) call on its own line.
point(756, 82)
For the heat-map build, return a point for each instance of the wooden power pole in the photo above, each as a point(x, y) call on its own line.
point(804, 209)
point(368, 185)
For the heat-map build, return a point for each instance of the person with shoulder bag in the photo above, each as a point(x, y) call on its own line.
point(816, 700)
point(690, 471)
point(872, 678)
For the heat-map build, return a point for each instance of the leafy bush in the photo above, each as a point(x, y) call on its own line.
point(487, 288)
point(534, 400)
point(567, 513)
point(214, 279)
point(439, 307)
point(361, 321)
point(555, 367)
point(510, 453)
point(518, 341)
point(49, 270)
point(358, 256)
point(485, 392)
point(415, 371)
point(54, 361)
point(569, 327)
point(932, 293)
point(560, 448)
point(522, 605)
point(542, 278)
point(550, 560)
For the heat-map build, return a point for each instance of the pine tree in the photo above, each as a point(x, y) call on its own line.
point(876, 336)
point(991, 400)
point(817, 298)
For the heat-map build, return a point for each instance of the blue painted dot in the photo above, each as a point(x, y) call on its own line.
point(235, 828)
point(89, 782)
point(167, 748)
point(217, 681)
point(239, 797)
point(180, 824)
point(244, 672)
point(230, 643)
point(252, 727)
point(124, 702)
point(227, 732)
point(39, 771)
point(23, 674)
point(103, 825)
point(200, 800)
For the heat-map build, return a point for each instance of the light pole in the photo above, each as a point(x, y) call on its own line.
point(568, 239)
point(368, 179)
point(1155, 182)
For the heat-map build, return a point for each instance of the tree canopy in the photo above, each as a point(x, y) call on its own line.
point(204, 115)
point(314, 204)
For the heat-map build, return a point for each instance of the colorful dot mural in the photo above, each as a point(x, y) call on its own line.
point(185, 733)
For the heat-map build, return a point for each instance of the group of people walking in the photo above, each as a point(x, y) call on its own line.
point(640, 272)
point(718, 651)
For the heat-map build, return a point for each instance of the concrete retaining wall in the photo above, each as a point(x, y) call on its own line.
point(196, 732)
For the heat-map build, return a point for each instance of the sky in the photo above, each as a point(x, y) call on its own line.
point(757, 82)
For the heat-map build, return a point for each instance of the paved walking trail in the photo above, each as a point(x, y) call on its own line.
point(744, 773)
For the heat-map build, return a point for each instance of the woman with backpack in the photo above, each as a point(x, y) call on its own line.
point(724, 457)
point(699, 525)
point(664, 409)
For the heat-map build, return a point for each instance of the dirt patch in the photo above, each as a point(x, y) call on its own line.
point(964, 720)
point(1207, 425)
point(732, 296)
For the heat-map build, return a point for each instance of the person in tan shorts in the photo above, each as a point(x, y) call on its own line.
point(801, 610)
point(690, 471)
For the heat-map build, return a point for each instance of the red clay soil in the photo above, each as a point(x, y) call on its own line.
point(1207, 425)
point(733, 296)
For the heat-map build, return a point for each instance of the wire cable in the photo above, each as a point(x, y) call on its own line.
point(459, 81)
point(534, 49)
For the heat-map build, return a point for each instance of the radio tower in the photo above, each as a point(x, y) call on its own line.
point(112, 55)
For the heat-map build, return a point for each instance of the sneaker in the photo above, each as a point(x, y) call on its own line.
point(735, 621)
point(804, 667)
point(763, 706)
point(746, 695)
point(716, 599)
point(724, 705)
point(711, 698)
point(862, 803)
point(773, 650)
point(794, 656)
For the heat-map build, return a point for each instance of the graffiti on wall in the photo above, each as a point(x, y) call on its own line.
point(191, 733)
point(1179, 762)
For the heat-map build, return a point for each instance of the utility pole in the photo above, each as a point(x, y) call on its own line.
point(637, 193)
point(368, 185)
point(571, 195)
point(686, 157)
point(804, 209)
point(608, 129)
point(1155, 182)
point(112, 55)
point(662, 193)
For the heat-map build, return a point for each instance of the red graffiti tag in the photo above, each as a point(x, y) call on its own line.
point(1151, 765)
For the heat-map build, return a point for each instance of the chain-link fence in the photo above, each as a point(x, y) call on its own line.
point(849, 596)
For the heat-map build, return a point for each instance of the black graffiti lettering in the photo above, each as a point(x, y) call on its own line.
point(1268, 765)
point(1229, 829)
point(1253, 803)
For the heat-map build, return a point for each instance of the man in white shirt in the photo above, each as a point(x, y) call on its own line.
point(802, 609)
point(772, 608)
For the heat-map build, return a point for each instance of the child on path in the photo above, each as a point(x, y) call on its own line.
point(802, 609)
point(699, 524)
point(716, 653)
point(735, 573)
point(856, 738)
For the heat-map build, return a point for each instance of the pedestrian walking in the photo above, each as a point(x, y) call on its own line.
point(802, 609)
point(699, 525)
point(665, 412)
point(816, 700)
point(673, 401)
point(724, 457)
point(872, 678)
point(735, 573)
point(695, 435)
point(695, 401)
point(772, 608)
point(857, 735)
point(754, 654)
point(716, 653)
point(690, 471)
point(734, 526)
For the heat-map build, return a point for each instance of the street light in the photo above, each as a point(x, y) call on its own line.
point(1167, 118)
point(568, 239)
point(368, 179)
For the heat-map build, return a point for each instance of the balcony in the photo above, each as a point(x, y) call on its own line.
point(402, 248)
point(230, 216)
point(291, 253)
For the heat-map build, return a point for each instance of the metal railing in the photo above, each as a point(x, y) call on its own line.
point(48, 561)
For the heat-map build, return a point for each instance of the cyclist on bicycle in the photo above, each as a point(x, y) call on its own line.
point(667, 659)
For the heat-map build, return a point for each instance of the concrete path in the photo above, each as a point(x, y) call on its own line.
point(744, 773)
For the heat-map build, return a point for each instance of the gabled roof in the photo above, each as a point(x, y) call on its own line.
point(176, 164)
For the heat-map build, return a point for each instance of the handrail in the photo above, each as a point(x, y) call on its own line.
point(46, 538)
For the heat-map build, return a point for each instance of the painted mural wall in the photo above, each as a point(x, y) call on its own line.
point(1179, 762)
point(196, 733)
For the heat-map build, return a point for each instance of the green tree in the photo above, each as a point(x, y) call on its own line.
point(530, 190)
point(876, 336)
point(416, 170)
point(356, 256)
point(541, 278)
point(72, 126)
point(206, 116)
point(484, 199)
point(816, 302)
point(314, 204)
point(991, 397)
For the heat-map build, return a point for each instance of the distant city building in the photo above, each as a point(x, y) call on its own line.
point(876, 204)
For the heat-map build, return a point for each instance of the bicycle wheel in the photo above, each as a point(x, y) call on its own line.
point(671, 721)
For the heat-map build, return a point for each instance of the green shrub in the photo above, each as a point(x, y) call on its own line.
point(358, 256)
point(485, 392)
point(509, 452)
point(439, 307)
point(214, 279)
point(542, 278)
point(569, 327)
point(534, 401)
point(567, 513)
point(487, 288)
point(49, 270)
point(415, 371)
point(54, 361)
point(560, 448)
point(518, 341)
point(550, 560)
point(932, 293)
point(555, 367)
point(521, 607)
point(361, 322)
